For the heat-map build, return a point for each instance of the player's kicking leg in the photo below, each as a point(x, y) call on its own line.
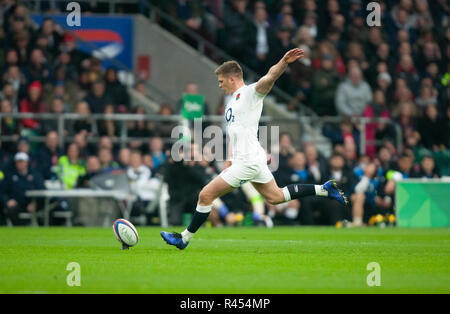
point(275, 195)
point(214, 189)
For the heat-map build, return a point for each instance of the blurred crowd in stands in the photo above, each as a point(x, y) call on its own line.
point(399, 70)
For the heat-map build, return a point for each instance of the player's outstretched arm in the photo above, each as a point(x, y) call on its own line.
point(265, 84)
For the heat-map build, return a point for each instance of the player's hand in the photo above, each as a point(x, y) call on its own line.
point(293, 55)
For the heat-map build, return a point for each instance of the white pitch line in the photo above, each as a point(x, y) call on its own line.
point(251, 240)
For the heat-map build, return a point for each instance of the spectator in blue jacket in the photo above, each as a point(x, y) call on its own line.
point(15, 185)
point(48, 155)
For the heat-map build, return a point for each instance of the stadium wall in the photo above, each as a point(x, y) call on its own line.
point(173, 63)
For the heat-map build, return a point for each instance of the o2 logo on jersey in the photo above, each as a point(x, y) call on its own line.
point(229, 117)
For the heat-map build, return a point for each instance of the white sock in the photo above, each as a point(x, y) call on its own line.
point(357, 222)
point(320, 191)
point(287, 195)
point(204, 209)
point(186, 236)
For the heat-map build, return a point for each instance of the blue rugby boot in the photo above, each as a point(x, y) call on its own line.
point(174, 238)
point(334, 192)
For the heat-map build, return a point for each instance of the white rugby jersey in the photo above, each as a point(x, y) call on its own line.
point(242, 114)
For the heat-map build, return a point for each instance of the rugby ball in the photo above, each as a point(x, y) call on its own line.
point(125, 233)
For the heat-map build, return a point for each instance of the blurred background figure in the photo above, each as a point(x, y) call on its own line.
point(14, 186)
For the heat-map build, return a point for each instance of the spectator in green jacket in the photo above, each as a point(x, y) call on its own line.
point(70, 167)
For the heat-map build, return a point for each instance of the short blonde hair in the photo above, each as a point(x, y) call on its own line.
point(230, 68)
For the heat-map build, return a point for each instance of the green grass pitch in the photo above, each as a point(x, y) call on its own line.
point(227, 260)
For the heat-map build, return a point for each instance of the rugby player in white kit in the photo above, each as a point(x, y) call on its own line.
point(248, 160)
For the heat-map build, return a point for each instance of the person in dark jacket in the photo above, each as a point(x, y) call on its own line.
point(117, 91)
point(93, 168)
point(237, 30)
point(325, 83)
point(6, 157)
point(57, 108)
point(185, 180)
point(262, 40)
point(100, 102)
point(98, 99)
point(427, 170)
point(294, 173)
point(53, 34)
point(284, 155)
point(15, 185)
point(433, 130)
point(49, 154)
point(319, 211)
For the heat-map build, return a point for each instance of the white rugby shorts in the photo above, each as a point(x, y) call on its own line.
point(239, 173)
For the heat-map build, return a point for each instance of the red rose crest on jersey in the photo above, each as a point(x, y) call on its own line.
point(238, 96)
